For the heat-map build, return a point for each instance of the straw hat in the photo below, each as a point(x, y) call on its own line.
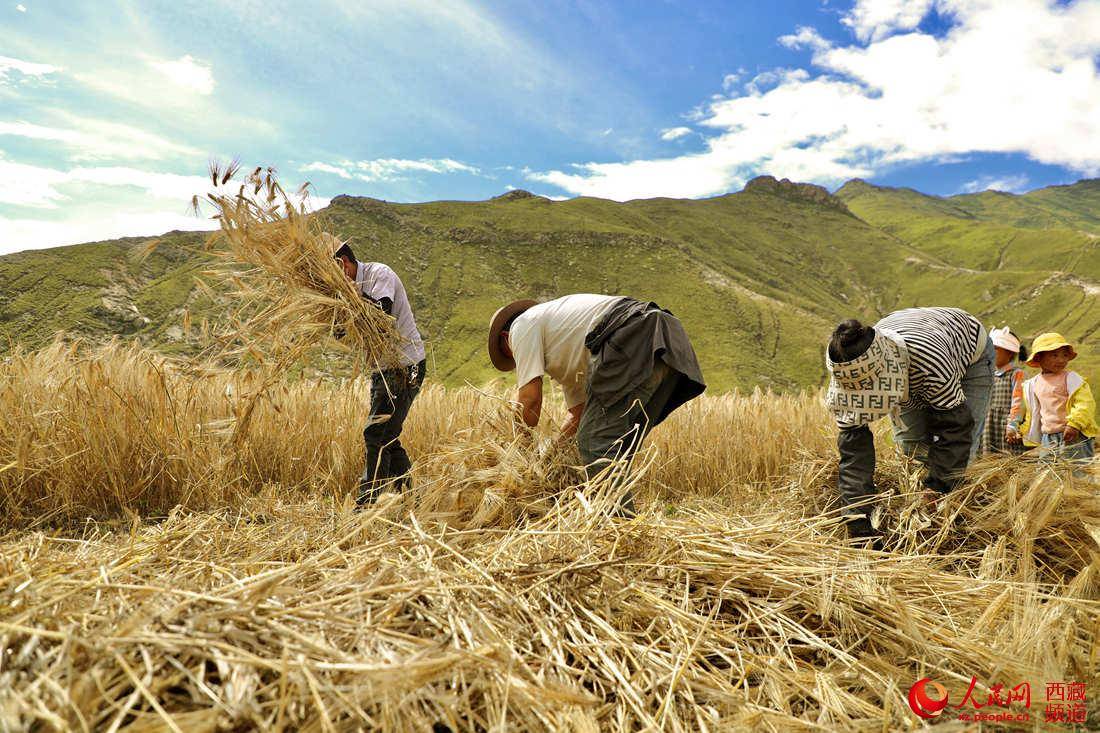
point(1049, 342)
point(872, 385)
point(500, 319)
point(334, 243)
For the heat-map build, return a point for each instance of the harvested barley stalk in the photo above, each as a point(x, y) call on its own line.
point(309, 620)
point(288, 295)
point(498, 593)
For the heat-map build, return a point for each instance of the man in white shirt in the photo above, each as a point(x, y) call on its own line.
point(623, 366)
point(392, 389)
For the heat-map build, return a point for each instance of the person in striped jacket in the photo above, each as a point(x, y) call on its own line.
point(930, 370)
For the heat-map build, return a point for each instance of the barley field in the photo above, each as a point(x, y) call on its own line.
point(179, 551)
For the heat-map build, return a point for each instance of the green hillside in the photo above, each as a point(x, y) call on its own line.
point(1031, 260)
point(758, 277)
point(1054, 207)
point(100, 288)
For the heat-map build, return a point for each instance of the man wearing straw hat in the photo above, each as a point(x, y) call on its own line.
point(392, 390)
point(623, 366)
point(931, 371)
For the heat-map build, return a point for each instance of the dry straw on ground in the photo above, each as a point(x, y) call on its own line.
point(499, 594)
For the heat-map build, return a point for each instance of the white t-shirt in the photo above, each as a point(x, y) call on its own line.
point(549, 339)
point(378, 281)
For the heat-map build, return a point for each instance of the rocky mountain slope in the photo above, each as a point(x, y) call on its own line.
point(759, 277)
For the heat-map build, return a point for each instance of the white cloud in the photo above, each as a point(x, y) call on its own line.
point(804, 37)
point(326, 168)
point(875, 19)
point(91, 139)
point(390, 169)
point(673, 133)
point(28, 185)
point(21, 8)
point(384, 168)
point(21, 234)
point(1008, 184)
point(167, 186)
point(154, 82)
point(157, 205)
point(729, 81)
point(26, 68)
point(766, 80)
point(92, 203)
point(187, 72)
point(1007, 77)
point(37, 186)
point(688, 176)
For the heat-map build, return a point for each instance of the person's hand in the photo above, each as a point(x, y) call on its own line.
point(564, 438)
point(1013, 437)
point(1071, 435)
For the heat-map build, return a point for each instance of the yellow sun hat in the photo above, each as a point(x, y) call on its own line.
point(1049, 342)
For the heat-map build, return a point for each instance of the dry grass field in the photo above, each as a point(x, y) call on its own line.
point(179, 552)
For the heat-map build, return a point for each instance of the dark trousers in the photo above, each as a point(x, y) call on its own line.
point(613, 433)
point(392, 392)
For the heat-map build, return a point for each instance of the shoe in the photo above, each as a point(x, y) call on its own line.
point(369, 491)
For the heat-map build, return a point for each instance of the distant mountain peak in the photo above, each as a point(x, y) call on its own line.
point(790, 189)
point(1083, 184)
point(344, 199)
point(517, 194)
point(858, 184)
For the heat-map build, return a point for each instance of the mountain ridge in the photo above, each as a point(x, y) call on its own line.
point(759, 276)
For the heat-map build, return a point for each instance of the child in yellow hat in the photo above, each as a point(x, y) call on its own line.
point(1058, 412)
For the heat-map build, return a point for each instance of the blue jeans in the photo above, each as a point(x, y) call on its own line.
point(977, 384)
point(1055, 447)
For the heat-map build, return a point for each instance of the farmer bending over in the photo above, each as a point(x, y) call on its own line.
point(623, 366)
point(392, 390)
point(931, 371)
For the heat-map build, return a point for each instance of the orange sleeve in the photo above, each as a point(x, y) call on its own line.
point(1017, 396)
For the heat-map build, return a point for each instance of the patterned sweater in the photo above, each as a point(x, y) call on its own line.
point(1004, 402)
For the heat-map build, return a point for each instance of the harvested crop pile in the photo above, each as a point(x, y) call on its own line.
point(157, 575)
point(293, 616)
point(496, 474)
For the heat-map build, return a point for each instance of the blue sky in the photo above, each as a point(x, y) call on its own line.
point(109, 111)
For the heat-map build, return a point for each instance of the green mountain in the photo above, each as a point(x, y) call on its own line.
point(1031, 261)
point(759, 277)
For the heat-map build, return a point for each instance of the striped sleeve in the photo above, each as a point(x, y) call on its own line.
point(941, 343)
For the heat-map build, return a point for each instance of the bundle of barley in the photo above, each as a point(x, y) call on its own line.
point(1024, 519)
point(1021, 519)
point(496, 472)
point(287, 294)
